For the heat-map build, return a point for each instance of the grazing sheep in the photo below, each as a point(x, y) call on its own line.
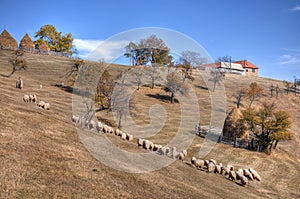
point(34, 99)
point(47, 106)
point(26, 98)
point(151, 145)
point(174, 152)
point(238, 175)
point(206, 163)
point(199, 163)
point(217, 169)
point(105, 128)
point(41, 104)
point(146, 144)
point(220, 164)
point(99, 126)
point(193, 160)
point(248, 174)
point(167, 152)
point(213, 161)
point(19, 83)
point(75, 118)
point(225, 171)
point(184, 152)
point(162, 151)
point(180, 156)
point(210, 167)
point(230, 167)
point(241, 171)
point(30, 98)
point(232, 176)
point(123, 136)
point(156, 147)
point(255, 174)
point(129, 137)
point(140, 141)
point(244, 180)
point(117, 132)
point(40, 86)
point(92, 125)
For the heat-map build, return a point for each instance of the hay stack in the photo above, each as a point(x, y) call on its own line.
point(7, 41)
point(26, 43)
point(44, 47)
point(233, 126)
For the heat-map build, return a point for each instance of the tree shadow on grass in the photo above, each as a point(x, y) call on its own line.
point(163, 98)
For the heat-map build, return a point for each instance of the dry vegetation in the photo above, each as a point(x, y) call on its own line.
point(41, 154)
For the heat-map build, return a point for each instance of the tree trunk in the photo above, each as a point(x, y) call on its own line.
point(11, 73)
point(120, 121)
point(172, 97)
point(275, 145)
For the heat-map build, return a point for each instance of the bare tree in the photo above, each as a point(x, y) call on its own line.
point(153, 73)
point(139, 73)
point(225, 58)
point(18, 62)
point(76, 65)
point(187, 61)
point(175, 84)
point(239, 95)
point(217, 77)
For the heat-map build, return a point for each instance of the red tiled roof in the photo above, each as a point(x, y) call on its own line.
point(246, 64)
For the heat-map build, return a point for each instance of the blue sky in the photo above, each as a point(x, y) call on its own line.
point(265, 32)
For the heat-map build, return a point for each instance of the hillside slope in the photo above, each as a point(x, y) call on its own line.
point(41, 154)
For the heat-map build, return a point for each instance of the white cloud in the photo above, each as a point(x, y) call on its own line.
point(295, 9)
point(289, 59)
point(99, 49)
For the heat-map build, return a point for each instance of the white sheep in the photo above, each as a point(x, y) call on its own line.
point(105, 128)
point(248, 174)
point(199, 163)
point(230, 167)
point(217, 169)
point(162, 151)
point(193, 160)
point(244, 180)
point(225, 170)
point(26, 98)
point(41, 104)
point(167, 150)
point(210, 167)
point(30, 98)
point(92, 125)
point(146, 144)
point(140, 141)
point(241, 171)
point(180, 156)
point(156, 147)
point(255, 174)
point(47, 106)
point(117, 132)
point(123, 136)
point(129, 137)
point(213, 161)
point(232, 175)
point(184, 152)
point(151, 145)
point(34, 99)
point(99, 126)
point(75, 118)
point(174, 152)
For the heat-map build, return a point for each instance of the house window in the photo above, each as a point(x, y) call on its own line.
point(253, 70)
point(246, 70)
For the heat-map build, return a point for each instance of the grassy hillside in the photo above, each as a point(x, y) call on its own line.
point(42, 155)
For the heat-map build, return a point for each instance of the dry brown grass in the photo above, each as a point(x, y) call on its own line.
point(41, 155)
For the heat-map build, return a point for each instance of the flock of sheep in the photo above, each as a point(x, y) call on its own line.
point(33, 98)
point(99, 127)
point(242, 175)
point(162, 150)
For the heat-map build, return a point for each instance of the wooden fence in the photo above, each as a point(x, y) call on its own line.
point(38, 51)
